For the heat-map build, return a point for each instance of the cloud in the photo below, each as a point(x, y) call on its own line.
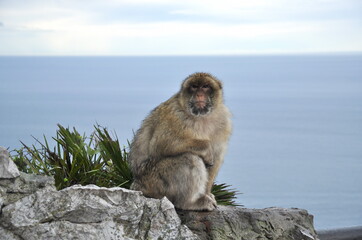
point(139, 27)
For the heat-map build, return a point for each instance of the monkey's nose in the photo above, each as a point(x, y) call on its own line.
point(200, 97)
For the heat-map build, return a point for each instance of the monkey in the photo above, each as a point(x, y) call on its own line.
point(180, 146)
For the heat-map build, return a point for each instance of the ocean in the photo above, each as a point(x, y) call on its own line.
point(297, 120)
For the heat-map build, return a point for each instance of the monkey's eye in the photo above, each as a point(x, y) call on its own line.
point(194, 86)
point(206, 86)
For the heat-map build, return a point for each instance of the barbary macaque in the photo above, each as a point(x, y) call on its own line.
point(180, 146)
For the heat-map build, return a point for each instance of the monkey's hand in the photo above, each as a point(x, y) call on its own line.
point(208, 157)
point(203, 149)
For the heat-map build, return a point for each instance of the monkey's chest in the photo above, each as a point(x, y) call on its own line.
point(205, 132)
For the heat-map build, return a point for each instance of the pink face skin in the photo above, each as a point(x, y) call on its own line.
point(201, 95)
point(201, 98)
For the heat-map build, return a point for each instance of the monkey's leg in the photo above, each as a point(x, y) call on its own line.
point(183, 180)
point(191, 179)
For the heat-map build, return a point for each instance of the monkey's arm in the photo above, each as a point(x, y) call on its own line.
point(212, 173)
point(139, 150)
point(168, 140)
point(219, 148)
point(171, 146)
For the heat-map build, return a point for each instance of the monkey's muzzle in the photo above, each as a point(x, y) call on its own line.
point(200, 104)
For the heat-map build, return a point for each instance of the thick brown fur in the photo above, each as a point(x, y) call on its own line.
point(180, 146)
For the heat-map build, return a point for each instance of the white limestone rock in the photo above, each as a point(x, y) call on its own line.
point(91, 212)
point(8, 168)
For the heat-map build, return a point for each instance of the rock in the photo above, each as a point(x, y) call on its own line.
point(91, 212)
point(6, 234)
point(11, 190)
point(8, 168)
point(21, 185)
point(250, 224)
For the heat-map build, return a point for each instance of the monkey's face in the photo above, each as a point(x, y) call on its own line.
point(201, 92)
point(200, 100)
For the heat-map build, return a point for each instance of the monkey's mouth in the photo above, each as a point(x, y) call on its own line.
point(200, 108)
point(200, 104)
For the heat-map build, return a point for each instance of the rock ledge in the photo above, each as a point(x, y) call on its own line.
point(31, 208)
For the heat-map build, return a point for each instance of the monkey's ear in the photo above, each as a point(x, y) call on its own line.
point(215, 79)
point(220, 84)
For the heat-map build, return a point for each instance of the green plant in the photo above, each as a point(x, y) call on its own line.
point(224, 195)
point(98, 159)
point(116, 158)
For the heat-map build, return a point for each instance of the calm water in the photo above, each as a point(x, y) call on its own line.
point(297, 139)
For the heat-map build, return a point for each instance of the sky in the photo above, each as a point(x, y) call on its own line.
point(179, 27)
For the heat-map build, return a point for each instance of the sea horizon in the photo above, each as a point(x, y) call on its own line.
point(244, 54)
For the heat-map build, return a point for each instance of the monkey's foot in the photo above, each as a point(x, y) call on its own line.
point(212, 198)
point(206, 203)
